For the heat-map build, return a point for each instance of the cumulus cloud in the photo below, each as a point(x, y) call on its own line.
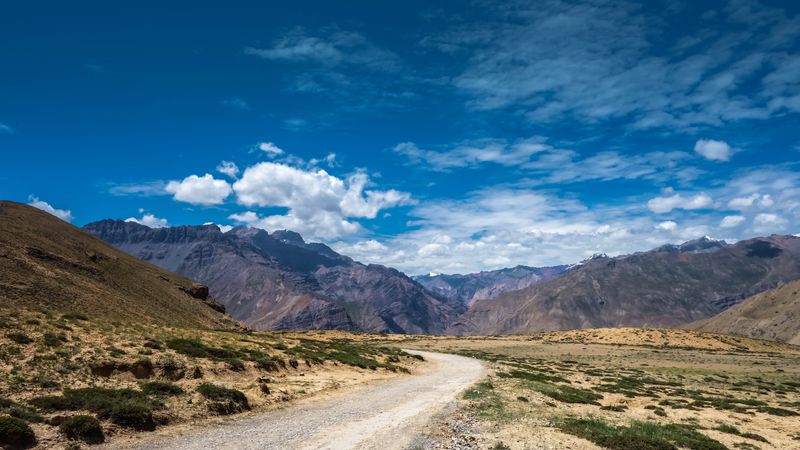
point(63, 214)
point(731, 221)
point(228, 168)
point(667, 225)
point(757, 200)
point(318, 204)
point(149, 220)
point(672, 200)
point(713, 150)
point(270, 149)
point(205, 190)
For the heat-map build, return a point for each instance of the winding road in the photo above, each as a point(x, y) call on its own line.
point(384, 416)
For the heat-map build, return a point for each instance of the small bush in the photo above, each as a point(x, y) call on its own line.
point(19, 337)
point(15, 433)
point(223, 400)
point(84, 428)
point(235, 364)
point(74, 316)
point(161, 389)
point(52, 340)
point(136, 415)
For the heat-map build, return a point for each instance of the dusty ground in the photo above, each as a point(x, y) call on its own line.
point(738, 392)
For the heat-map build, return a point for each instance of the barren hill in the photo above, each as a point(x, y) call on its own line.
point(50, 265)
point(772, 315)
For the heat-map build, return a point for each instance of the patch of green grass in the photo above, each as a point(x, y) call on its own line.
point(478, 391)
point(124, 407)
point(161, 389)
point(566, 394)
point(532, 376)
point(223, 400)
point(74, 316)
point(729, 429)
point(16, 433)
point(614, 408)
point(638, 435)
point(14, 409)
point(84, 428)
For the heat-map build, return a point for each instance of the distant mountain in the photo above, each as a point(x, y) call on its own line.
point(670, 286)
point(48, 264)
point(772, 315)
point(488, 284)
point(279, 281)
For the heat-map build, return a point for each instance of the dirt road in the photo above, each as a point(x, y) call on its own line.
point(383, 416)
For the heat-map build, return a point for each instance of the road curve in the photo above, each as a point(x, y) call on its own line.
point(383, 416)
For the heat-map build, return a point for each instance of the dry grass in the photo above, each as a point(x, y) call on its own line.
point(629, 388)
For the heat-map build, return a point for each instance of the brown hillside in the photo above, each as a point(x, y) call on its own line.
point(48, 264)
point(773, 315)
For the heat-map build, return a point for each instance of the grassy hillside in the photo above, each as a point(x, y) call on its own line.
point(50, 265)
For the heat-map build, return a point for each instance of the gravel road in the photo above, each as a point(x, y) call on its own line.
point(382, 416)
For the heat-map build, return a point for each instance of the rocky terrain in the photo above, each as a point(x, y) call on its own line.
point(772, 315)
point(667, 287)
point(48, 264)
point(278, 281)
point(488, 284)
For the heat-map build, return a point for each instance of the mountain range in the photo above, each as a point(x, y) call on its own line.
point(670, 286)
point(488, 284)
point(279, 281)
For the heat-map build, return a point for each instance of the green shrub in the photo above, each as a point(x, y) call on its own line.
point(124, 407)
point(84, 428)
point(223, 400)
point(14, 409)
point(15, 433)
point(639, 435)
point(19, 337)
point(161, 389)
point(136, 415)
point(74, 316)
point(52, 340)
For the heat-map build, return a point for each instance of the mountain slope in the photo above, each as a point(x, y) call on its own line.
point(773, 315)
point(665, 287)
point(487, 284)
point(279, 281)
point(48, 264)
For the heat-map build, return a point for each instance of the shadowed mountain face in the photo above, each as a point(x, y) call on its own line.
point(48, 264)
point(772, 315)
point(668, 287)
point(279, 281)
point(489, 284)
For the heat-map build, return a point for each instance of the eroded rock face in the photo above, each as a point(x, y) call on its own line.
point(279, 281)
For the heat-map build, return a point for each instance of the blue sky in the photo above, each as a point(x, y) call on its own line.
point(429, 136)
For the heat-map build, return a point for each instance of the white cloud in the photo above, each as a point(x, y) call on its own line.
point(597, 61)
point(759, 200)
point(672, 200)
point(148, 220)
point(235, 103)
point(768, 219)
point(319, 204)
point(5, 129)
point(270, 149)
point(145, 189)
point(713, 150)
point(205, 190)
point(667, 225)
point(63, 214)
point(731, 221)
point(473, 153)
point(228, 168)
